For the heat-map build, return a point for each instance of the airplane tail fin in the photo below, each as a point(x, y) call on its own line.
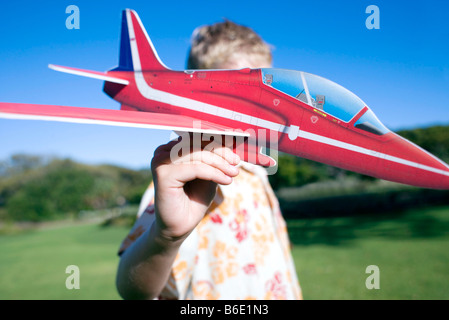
point(137, 52)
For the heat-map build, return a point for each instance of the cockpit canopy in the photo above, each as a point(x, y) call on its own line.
point(324, 95)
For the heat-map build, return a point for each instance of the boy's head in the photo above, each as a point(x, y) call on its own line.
point(227, 45)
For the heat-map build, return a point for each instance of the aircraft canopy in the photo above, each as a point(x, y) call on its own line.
point(324, 95)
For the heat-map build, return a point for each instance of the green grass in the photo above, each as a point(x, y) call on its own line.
point(331, 255)
point(410, 249)
point(33, 264)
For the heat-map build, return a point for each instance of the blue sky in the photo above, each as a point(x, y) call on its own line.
point(400, 70)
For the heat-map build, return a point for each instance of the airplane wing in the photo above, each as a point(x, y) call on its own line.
point(134, 119)
point(121, 118)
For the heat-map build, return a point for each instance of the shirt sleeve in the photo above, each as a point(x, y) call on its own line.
point(145, 218)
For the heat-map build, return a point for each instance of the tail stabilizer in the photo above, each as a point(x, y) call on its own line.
point(90, 74)
point(137, 52)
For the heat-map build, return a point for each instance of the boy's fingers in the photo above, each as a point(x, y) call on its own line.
point(210, 159)
point(210, 152)
point(200, 170)
point(224, 152)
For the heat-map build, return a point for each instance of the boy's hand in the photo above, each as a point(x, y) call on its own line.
point(186, 186)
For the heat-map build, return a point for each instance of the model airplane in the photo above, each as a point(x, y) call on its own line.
point(311, 117)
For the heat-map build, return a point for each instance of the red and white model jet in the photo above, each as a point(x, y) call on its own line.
point(309, 116)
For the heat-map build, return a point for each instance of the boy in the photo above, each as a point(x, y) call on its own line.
point(210, 227)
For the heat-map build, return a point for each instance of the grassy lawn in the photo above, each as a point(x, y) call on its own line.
point(33, 264)
point(331, 255)
point(410, 249)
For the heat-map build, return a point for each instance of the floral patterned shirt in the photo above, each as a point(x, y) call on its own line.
point(239, 250)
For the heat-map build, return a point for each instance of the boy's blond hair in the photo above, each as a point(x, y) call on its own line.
point(227, 45)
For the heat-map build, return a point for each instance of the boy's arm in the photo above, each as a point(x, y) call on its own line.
point(145, 266)
point(184, 189)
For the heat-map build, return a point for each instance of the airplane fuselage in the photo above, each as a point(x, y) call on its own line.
point(239, 99)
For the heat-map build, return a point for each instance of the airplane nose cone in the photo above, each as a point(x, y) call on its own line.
point(410, 164)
